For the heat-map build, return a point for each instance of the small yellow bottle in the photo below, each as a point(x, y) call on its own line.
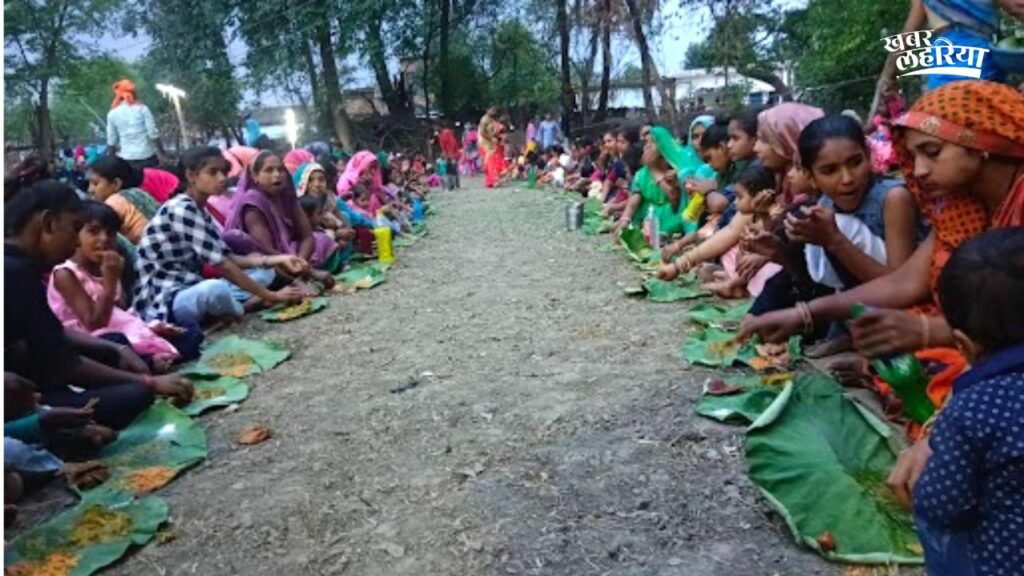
point(383, 236)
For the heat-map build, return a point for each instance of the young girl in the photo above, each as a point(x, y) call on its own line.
point(113, 181)
point(41, 226)
point(724, 244)
point(85, 292)
point(864, 226)
point(182, 237)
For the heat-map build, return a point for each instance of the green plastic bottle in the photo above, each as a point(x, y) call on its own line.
point(531, 177)
point(906, 376)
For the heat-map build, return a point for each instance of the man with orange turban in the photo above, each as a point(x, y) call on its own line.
point(131, 131)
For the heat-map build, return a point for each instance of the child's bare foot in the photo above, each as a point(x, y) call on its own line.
point(851, 372)
point(731, 289)
point(98, 436)
point(85, 474)
point(162, 364)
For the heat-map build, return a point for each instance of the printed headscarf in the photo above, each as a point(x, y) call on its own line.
point(975, 114)
point(295, 158)
point(124, 91)
point(302, 175)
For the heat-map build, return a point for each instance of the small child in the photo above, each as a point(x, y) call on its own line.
point(753, 182)
point(969, 501)
point(314, 206)
point(716, 206)
point(85, 292)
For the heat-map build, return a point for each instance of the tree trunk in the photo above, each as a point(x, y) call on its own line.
point(668, 100)
point(587, 74)
point(378, 61)
point(324, 118)
point(444, 100)
point(645, 57)
point(44, 128)
point(332, 88)
point(606, 61)
point(567, 95)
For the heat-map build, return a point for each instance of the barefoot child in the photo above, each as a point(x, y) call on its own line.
point(969, 500)
point(85, 291)
point(724, 244)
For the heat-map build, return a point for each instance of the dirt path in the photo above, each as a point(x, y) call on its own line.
point(550, 430)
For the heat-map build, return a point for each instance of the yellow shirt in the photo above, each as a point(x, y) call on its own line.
point(133, 221)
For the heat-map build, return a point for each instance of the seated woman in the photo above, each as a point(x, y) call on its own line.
point(265, 218)
point(85, 294)
point(863, 226)
point(113, 181)
point(962, 151)
point(311, 180)
point(364, 171)
point(181, 238)
point(657, 185)
point(41, 229)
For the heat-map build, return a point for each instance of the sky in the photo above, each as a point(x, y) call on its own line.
point(680, 27)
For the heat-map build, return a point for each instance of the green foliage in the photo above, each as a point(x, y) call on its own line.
point(840, 55)
point(521, 71)
point(84, 95)
point(190, 51)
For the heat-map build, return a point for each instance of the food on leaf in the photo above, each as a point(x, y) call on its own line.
point(99, 524)
point(236, 365)
point(827, 542)
point(146, 480)
point(56, 564)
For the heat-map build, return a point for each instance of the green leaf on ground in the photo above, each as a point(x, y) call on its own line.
point(285, 313)
point(363, 277)
point(215, 393)
point(720, 314)
point(661, 291)
point(632, 239)
point(716, 347)
point(150, 452)
point(821, 460)
point(238, 357)
point(86, 538)
point(741, 401)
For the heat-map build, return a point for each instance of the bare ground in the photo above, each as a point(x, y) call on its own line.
point(546, 427)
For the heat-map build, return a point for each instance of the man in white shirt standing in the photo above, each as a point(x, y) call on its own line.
point(131, 130)
point(549, 133)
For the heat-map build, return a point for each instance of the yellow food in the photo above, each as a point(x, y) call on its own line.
point(56, 564)
point(146, 480)
point(207, 393)
point(364, 283)
point(237, 365)
point(98, 525)
point(292, 312)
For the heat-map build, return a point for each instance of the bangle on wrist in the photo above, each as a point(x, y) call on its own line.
point(806, 316)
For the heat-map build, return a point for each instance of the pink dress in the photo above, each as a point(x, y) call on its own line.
point(143, 339)
point(731, 258)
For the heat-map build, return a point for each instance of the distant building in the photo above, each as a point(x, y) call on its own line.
point(686, 86)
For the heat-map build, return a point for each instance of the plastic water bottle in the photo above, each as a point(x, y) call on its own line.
point(531, 177)
point(651, 233)
point(906, 376)
point(382, 234)
point(417, 209)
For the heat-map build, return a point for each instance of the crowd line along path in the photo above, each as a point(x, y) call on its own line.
point(497, 407)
